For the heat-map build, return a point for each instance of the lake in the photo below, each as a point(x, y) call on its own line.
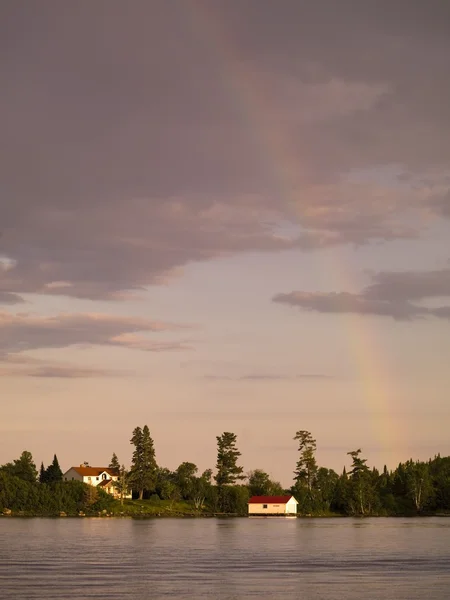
point(225, 559)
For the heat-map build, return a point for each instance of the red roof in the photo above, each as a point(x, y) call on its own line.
point(96, 471)
point(269, 499)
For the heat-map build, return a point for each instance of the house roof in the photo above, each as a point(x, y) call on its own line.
point(270, 499)
point(96, 471)
point(105, 483)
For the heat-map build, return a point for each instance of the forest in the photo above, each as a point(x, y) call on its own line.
point(413, 488)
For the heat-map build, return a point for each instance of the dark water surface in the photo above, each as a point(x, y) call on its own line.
point(317, 559)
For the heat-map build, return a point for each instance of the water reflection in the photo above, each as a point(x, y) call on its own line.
point(225, 559)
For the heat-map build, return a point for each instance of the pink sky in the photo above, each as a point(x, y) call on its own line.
point(217, 216)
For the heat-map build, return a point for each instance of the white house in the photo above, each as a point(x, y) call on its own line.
point(96, 476)
point(272, 505)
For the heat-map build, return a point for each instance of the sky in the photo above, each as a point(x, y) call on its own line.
point(225, 216)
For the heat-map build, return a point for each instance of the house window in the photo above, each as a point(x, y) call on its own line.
point(103, 476)
point(264, 505)
point(89, 478)
point(96, 478)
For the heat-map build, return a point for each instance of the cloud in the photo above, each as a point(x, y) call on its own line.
point(148, 147)
point(23, 365)
point(391, 294)
point(441, 204)
point(8, 298)
point(24, 332)
point(409, 285)
point(59, 372)
point(267, 377)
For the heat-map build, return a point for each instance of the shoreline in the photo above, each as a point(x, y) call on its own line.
point(216, 516)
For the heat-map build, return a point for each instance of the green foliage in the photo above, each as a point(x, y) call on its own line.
point(49, 499)
point(227, 455)
point(42, 473)
point(360, 488)
point(144, 470)
point(418, 483)
point(23, 467)
point(114, 462)
point(412, 488)
point(185, 476)
point(202, 490)
point(122, 485)
point(306, 469)
point(260, 484)
point(233, 499)
point(326, 487)
point(53, 472)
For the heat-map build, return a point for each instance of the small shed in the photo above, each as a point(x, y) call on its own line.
point(272, 506)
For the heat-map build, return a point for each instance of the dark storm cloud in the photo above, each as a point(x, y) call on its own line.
point(139, 137)
point(392, 294)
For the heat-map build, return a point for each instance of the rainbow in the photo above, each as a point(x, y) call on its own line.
point(247, 94)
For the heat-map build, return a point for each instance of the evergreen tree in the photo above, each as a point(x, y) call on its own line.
point(42, 474)
point(53, 472)
point(305, 474)
point(361, 483)
point(114, 462)
point(227, 455)
point(144, 469)
point(341, 500)
point(306, 469)
point(23, 467)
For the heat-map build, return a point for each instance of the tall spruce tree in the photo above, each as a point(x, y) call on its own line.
point(305, 473)
point(228, 471)
point(42, 474)
point(360, 482)
point(114, 462)
point(143, 472)
point(53, 472)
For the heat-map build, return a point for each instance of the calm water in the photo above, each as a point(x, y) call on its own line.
point(326, 559)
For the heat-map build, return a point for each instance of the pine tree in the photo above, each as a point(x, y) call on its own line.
point(144, 469)
point(360, 480)
point(227, 455)
point(114, 463)
point(306, 469)
point(53, 472)
point(42, 474)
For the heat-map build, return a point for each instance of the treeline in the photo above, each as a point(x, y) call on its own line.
point(24, 492)
point(412, 488)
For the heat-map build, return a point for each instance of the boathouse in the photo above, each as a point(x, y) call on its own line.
point(272, 506)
